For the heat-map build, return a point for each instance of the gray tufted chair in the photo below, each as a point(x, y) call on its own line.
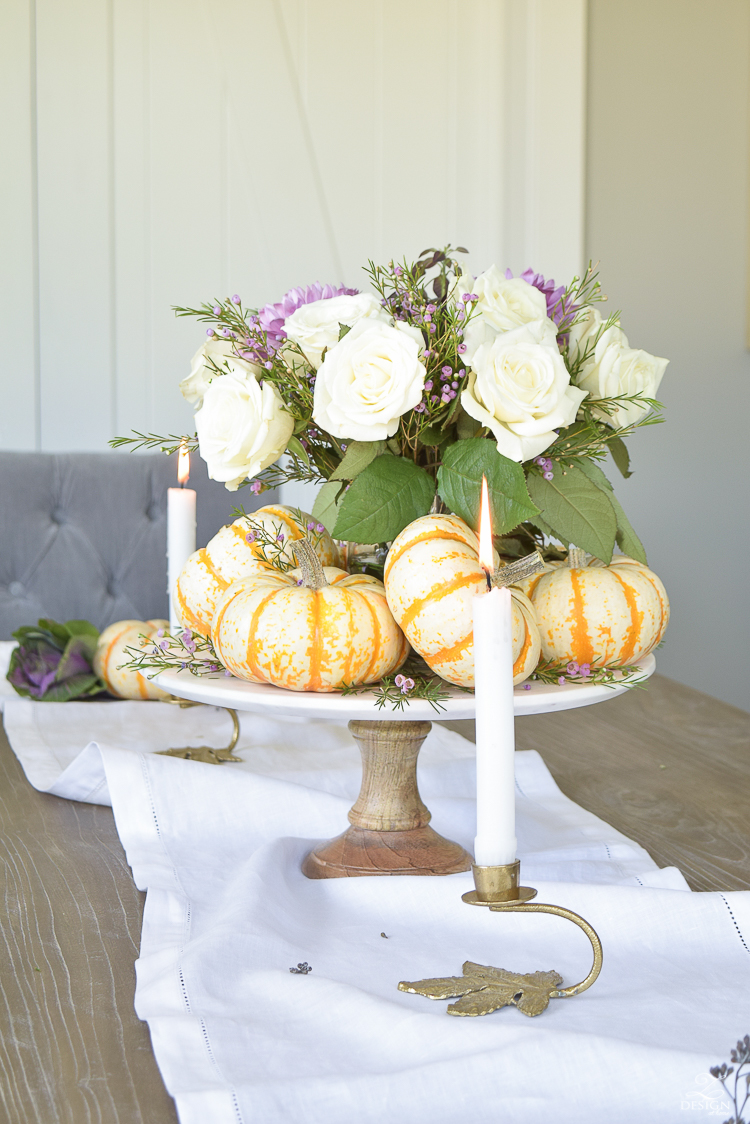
point(83, 535)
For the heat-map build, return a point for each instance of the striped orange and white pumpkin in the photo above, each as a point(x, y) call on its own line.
point(270, 629)
point(432, 573)
point(123, 682)
point(229, 556)
point(600, 615)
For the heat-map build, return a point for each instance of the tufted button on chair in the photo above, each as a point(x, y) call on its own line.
point(83, 535)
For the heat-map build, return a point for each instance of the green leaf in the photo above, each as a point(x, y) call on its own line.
point(297, 449)
point(545, 528)
point(620, 455)
point(325, 509)
point(594, 473)
point(626, 538)
point(466, 426)
point(343, 329)
point(82, 628)
point(388, 495)
point(460, 484)
point(431, 436)
point(577, 510)
point(74, 687)
point(356, 458)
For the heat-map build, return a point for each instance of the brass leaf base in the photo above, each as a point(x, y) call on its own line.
point(482, 988)
point(205, 753)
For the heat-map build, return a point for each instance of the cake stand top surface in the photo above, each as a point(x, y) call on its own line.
point(219, 690)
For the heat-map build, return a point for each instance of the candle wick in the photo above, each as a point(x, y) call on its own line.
point(488, 576)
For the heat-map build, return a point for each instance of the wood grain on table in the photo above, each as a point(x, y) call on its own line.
point(72, 1049)
point(668, 767)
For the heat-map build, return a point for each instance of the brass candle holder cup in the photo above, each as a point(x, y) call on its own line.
point(483, 989)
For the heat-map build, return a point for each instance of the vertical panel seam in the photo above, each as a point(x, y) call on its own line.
point(307, 133)
point(35, 226)
point(112, 202)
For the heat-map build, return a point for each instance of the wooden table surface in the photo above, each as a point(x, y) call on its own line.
point(669, 767)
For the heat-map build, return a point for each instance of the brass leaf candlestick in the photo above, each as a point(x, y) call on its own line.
point(483, 989)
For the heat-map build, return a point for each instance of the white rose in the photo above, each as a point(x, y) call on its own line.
point(615, 368)
point(504, 303)
point(584, 334)
point(367, 381)
point(316, 326)
point(242, 427)
point(520, 388)
point(216, 351)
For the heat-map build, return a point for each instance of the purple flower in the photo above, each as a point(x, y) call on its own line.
point(561, 680)
point(319, 528)
point(557, 309)
point(279, 537)
point(405, 684)
point(548, 475)
point(462, 348)
point(572, 668)
point(273, 316)
point(527, 686)
point(428, 384)
point(187, 635)
point(584, 670)
point(236, 299)
point(250, 536)
point(217, 310)
point(256, 487)
point(227, 673)
point(209, 331)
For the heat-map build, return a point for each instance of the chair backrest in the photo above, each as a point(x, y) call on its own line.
point(83, 535)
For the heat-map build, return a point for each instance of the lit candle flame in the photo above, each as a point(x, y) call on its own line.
point(486, 558)
point(183, 466)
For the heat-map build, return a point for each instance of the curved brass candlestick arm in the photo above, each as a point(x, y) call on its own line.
point(589, 930)
point(205, 753)
point(483, 989)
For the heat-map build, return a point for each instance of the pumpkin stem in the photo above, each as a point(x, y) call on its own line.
point(309, 563)
point(576, 558)
point(516, 571)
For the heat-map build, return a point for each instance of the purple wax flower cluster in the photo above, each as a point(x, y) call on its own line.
point(272, 316)
point(545, 463)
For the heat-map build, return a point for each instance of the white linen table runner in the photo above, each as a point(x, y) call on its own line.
point(241, 1040)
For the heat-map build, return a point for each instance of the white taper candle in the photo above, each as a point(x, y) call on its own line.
point(495, 843)
point(180, 534)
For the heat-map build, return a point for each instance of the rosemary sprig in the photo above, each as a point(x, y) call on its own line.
point(184, 651)
point(397, 691)
point(170, 444)
point(559, 672)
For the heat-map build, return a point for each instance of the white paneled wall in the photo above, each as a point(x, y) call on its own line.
point(158, 152)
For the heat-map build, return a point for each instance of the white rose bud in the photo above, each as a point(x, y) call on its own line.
point(504, 303)
point(316, 326)
point(242, 427)
point(520, 388)
point(367, 381)
point(614, 368)
point(215, 351)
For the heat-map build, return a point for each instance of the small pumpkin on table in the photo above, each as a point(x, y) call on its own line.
point(239, 550)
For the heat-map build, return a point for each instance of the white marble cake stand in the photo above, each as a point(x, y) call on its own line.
point(390, 832)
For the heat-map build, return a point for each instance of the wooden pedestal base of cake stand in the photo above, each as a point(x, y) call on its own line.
point(390, 829)
point(390, 832)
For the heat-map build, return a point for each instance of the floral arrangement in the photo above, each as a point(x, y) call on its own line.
point(397, 401)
